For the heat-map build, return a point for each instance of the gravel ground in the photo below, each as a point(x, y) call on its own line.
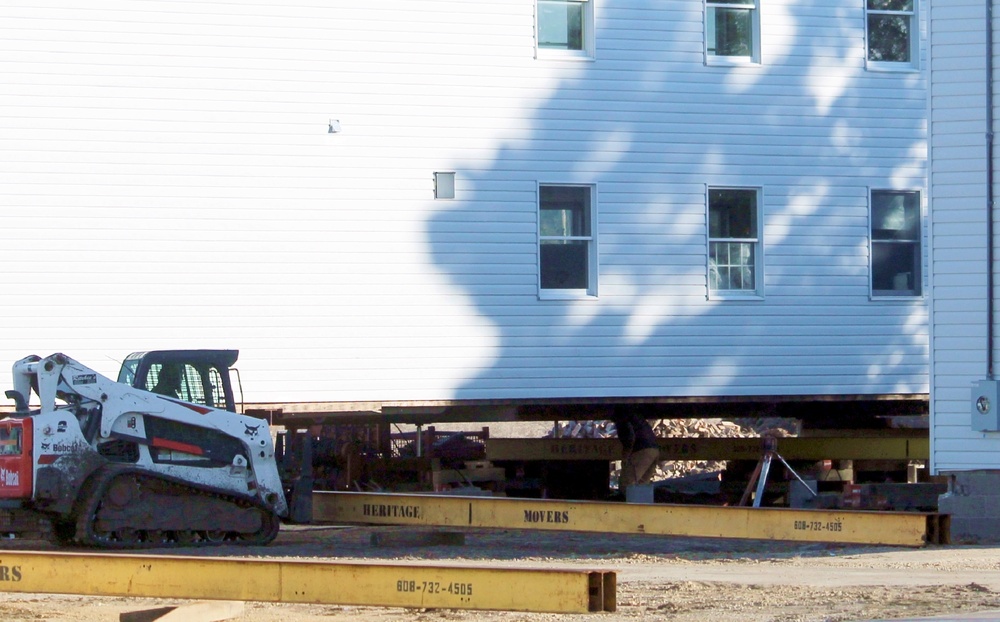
point(659, 578)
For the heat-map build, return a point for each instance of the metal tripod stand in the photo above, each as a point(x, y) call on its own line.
point(769, 447)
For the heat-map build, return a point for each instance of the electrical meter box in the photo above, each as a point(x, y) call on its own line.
point(985, 407)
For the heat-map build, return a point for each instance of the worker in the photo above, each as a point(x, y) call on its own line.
point(168, 381)
point(640, 449)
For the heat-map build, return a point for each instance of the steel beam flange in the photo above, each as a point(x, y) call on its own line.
point(241, 579)
point(796, 525)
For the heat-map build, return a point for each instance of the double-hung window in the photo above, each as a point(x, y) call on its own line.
point(732, 31)
point(892, 30)
point(565, 28)
point(567, 252)
point(895, 240)
point(734, 242)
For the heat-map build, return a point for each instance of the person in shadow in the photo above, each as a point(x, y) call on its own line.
point(168, 381)
point(640, 449)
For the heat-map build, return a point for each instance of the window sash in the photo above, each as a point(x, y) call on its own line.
point(896, 255)
point(562, 25)
point(733, 240)
point(731, 29)
point(733, 265)
point(731, 5)
point(890, 31)
point(565, 238)
point(887, 6)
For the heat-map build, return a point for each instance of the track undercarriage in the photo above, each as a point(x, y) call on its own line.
point(133, 510)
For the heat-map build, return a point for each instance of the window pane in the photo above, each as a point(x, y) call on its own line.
point(564, 264)
point(889, 38)
point(731, 266)
point(896, 268)
point(564, 217)
point(565, 211)
point(896, 239)
point(730, 32)
point(733, 239)
point(890, 5)
point(560, 25)
point(732, 213)
point(895, 215)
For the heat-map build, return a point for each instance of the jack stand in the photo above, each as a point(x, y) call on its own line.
point(769, 445)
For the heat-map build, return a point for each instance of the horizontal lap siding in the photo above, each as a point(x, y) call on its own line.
point(958, 208)
point(169, 182)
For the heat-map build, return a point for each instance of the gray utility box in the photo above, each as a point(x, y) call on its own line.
point(985, 408)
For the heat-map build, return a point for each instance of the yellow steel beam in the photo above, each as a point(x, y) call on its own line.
point(509, 589)
point(888, 528)
point(795, 448)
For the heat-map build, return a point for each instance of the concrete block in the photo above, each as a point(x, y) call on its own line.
point(974, 482)
point(962, 506)
point(975, 530)
point(640, 493)
point(800, 496)
point(991, 506)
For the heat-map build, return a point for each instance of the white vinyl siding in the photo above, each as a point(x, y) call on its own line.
point(958, 208)
point(169, 181)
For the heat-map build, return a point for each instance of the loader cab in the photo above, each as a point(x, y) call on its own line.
point(197, 376)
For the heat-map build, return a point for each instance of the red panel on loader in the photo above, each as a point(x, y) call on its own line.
point(15, 459)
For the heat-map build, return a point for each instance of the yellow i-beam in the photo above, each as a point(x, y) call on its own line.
point(859, 527)
point(380, 585)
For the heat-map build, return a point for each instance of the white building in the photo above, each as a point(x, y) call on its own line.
point(965, 444)
point(454, 200)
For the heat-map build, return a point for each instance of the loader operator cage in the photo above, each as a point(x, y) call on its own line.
point(197, 378)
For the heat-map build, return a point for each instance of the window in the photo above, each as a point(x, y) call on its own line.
point(176, 380)
point(565, 28)
point(895, 253)
point(892, 33)
point(731, 30)
point(199, 384)
point(567, 255)
point(734, 247)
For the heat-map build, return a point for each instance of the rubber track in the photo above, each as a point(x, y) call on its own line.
point(98, 486)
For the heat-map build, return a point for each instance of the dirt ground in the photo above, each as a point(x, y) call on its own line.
point(659, 578)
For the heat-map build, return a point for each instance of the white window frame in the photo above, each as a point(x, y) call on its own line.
point(587, 49)
point(590, 238)
point(756, 241)
point(914, 277)
point(749, 5)
point(913, 64)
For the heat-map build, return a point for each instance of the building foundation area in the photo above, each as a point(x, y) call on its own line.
point(973, 501)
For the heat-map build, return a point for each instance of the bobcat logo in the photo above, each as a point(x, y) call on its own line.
point(251, 431)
